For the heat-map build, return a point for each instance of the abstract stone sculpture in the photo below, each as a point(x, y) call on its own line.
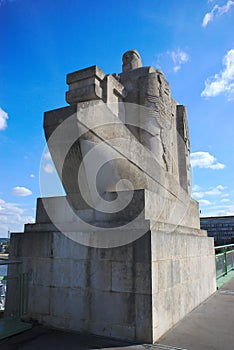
point(137, 107)
point(122, 254)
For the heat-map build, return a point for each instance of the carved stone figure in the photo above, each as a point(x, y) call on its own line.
point(131, 60)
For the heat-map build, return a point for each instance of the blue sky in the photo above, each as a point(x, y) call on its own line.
point(192, 42)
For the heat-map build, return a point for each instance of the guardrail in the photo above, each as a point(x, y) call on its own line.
point(13, 289)
point(224, 257)
point(13, 298)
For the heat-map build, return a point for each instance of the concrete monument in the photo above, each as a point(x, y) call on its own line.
point(122, 254)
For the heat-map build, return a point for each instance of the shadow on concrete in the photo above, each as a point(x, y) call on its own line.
point(42, 338)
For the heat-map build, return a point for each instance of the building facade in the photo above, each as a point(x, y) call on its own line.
point(219, 227)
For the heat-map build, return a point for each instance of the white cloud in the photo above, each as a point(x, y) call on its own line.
point(220, 187)
point(216, 12)
point(207, 18)
point(178, 57)
point(47, 155)
point(205, 160)
point(218, 206)
point(223, 82)
point(204, 202)
point(3, 119)
point(225, 195)
point(198, 195)
point(196, 188)
point(12, 217)
point(212, 191)
point(218, 210)
point(21, 191)
point(48, 168)
point(32, 176)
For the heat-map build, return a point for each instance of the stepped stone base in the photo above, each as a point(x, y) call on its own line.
point(136, 291)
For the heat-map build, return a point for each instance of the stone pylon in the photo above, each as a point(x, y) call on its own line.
point(122, 254)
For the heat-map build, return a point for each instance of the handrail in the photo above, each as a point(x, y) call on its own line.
point(224, 246)
point(224, 260)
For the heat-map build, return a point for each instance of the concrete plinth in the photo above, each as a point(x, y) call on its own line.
point(136, 291)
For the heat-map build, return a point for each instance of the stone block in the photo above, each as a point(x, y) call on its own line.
point(85, 85)
point(39, 271)
point(40, 246)
point(113, 307)
point(54, 321)
point(131, 277)
point(63, 273)
point(162, 312)
point(69, 303)
point(118, 331)
point(65, 247)
point(39, 300)
point(100, 275)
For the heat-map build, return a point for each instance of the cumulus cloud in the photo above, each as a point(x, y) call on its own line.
point(196, 188)
point(212, 191)
point(213, 201)
point(47, 164)
point(223, 82)
point(47, 155)
point(49, 169)
point(219, 210)
point(198, 195)
point(3, 119)
point(178, 57)
point(215, 191)
point(32, 176)
point(204, 202)
point(216, 12)
point(205, 160)
point(12, 217)
point(21, 191)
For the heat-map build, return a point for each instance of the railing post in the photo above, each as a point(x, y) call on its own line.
point(225, 261)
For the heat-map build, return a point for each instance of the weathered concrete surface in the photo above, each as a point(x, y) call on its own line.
point(100, 291)
point(209, 326)
point(183, 275)
point(136, 291)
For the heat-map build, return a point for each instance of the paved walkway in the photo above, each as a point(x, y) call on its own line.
point(209, 327)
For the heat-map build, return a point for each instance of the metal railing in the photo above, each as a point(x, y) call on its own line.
point(14, 289)
point(14, 298)
point(224, 257)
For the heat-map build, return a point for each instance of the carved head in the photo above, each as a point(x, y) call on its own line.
point(131, 60)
